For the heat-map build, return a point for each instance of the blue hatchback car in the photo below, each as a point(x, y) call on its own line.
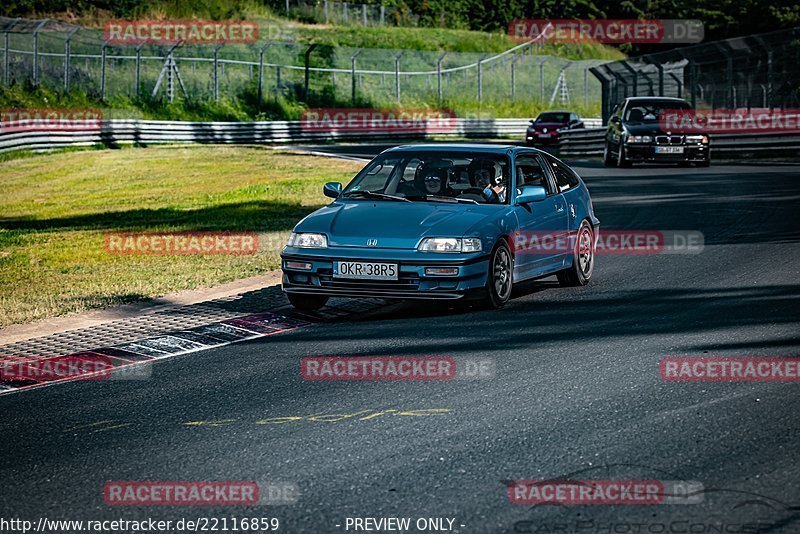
point(444, 221)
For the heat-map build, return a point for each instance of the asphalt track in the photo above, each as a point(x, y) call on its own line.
point(577, 392)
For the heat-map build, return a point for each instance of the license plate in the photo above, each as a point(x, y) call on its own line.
point(544, 135)
point(669, 150)
point(363, 270)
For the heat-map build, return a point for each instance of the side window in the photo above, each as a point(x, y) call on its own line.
point(565, 177)
point(530, 172)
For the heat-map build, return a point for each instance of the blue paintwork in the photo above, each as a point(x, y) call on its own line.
point(400, 226)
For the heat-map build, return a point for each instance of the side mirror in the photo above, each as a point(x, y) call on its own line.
point(531, 193)
point(613, 120)
point(573, 122)
point(533, 121)
point(332, 189)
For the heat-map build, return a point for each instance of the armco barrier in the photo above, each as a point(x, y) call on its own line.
point(145, 132)
point(591, 142)
point(574, 143)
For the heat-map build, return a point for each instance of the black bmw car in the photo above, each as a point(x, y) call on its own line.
point(638, 133)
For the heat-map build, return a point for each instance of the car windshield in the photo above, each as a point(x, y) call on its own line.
point(640, 112)
point(553, 117)
point(433, 176)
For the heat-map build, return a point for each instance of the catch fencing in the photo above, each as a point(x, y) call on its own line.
point(60, 56)
point(756, 71)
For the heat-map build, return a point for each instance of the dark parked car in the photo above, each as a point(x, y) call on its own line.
point(545, 128)
point(637, 133)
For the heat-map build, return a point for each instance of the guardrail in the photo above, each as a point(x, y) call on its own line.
point(591, 142)
point(146, 132)
point(573, 143)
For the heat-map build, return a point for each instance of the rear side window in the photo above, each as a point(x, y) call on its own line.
point(565, 177)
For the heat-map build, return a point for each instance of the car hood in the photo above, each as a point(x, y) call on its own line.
point(350, 223)
point(548, 125)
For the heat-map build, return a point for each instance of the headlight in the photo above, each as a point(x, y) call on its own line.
point(450, 244)
point(639, 139)
point(697, 139)
point(301, 240)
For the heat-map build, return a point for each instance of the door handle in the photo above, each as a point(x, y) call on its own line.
point(559, 209)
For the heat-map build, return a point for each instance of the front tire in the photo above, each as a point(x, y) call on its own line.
point(307, 302)
point(608, 160)
point(499, 283)
point(580, 272)
point(622, 161)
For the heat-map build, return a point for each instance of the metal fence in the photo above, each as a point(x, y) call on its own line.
point(347, 13)
point(757, 71)
point(58, 55)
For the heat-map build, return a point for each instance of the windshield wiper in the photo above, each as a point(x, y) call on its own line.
point(372, 194)
point(441, 198)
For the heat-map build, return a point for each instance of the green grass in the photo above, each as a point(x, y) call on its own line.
point(57, 208)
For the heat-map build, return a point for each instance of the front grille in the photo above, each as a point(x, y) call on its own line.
point(669, 139)
point(407, 281)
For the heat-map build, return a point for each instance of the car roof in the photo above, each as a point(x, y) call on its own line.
point(652, 98)
point(557, 111)
point(463, 147)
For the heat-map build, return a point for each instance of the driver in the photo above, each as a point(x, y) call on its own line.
point(489, 175)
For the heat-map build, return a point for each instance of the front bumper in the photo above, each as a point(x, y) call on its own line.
point(412, 282)
point(694, 153)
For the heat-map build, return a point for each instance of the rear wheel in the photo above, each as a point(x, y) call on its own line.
point(498, 283)
point(582, 267)
point(307, 302)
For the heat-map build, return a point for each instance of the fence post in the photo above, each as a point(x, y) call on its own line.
point(513, 80)
point(397, 77)
point(138, 70)
point(541, 80)
point(287, 7)
point(769, 80)
point(586, 87)
point(277, 79)
point(480, 80)
point(6, 76)
point(308, 67)
point(364, 15)
point(67, 50)
point(216, 71)
point(383, 15)
point(353, 75)
point(439, 75)
point(36, 51)
point(103, 71)
point(325, 10)
point(344, 12)
point(261, 72)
